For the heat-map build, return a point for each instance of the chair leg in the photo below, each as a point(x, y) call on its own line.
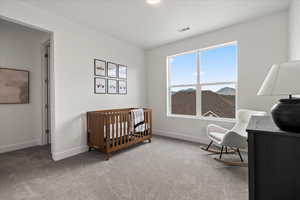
point(238, 150)
point(209, 145)
point(221, 153)
point(226, 149)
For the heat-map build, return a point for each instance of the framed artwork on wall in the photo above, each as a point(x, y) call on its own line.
point(122, 87)
point(112, 86)
point(112, 70)
point(110, 78)
point(100, 67)
point(122, 72)
point(100, 86)
point(14, 86)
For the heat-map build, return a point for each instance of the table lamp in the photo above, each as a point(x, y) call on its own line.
point(284, 79)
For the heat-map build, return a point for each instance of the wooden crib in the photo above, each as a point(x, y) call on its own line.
point(111, 130)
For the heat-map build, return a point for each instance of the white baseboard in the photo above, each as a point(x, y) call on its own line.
point(180, 136)
point(68, 153)
point(22, 145)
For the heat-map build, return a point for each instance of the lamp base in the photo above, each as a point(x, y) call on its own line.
point(286, 114)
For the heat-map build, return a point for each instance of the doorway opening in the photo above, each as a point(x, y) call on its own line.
point(26, 48)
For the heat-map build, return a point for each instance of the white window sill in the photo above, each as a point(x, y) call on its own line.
point(203, 118)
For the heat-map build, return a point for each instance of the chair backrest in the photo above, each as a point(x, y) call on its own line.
point(243, 117)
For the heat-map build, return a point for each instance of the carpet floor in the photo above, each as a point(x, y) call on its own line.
point(165, 169)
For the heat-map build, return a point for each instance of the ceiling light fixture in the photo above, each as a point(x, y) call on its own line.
point(153, 2)
point(184, 29)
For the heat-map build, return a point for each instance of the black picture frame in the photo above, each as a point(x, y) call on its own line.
point(108, 86)
point(115, 75)
point(95, 67)
point(126, 74)
point(125, 81)
point(95, 85)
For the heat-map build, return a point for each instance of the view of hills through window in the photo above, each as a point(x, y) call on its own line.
point(215, 81)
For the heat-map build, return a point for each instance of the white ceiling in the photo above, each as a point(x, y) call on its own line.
point(150, 26)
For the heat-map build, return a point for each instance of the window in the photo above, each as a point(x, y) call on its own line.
point(202, 83)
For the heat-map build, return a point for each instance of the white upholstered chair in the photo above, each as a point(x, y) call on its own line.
point(235, 138)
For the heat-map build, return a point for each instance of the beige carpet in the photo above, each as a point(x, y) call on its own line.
point(162, 170)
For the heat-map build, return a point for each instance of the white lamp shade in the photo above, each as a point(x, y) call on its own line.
point(282, 79)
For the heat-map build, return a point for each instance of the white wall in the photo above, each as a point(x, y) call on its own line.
point(294, 31)
point(21, 124)
point(261, 42)
point(75, 47)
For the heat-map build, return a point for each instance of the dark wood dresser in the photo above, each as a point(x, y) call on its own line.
point(274, 161)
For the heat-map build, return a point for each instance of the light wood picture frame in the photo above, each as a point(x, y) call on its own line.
point(14, 86)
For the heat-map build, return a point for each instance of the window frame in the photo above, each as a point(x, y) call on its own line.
point(198, 85)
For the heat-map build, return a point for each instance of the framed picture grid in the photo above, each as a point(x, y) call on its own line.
point(110, 78)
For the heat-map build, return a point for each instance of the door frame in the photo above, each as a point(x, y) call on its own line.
point(46, 76)
point(51, 81)
point(51, 74)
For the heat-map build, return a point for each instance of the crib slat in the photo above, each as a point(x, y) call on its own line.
point(107, 132)
point(123, 127)
point(121, 124)
point(128, 127)
point(109, 137)
point(118, 129)
point(143, 132)
point(146, 123)
point(149, 123)
point(147, 131)
point(113, 129)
